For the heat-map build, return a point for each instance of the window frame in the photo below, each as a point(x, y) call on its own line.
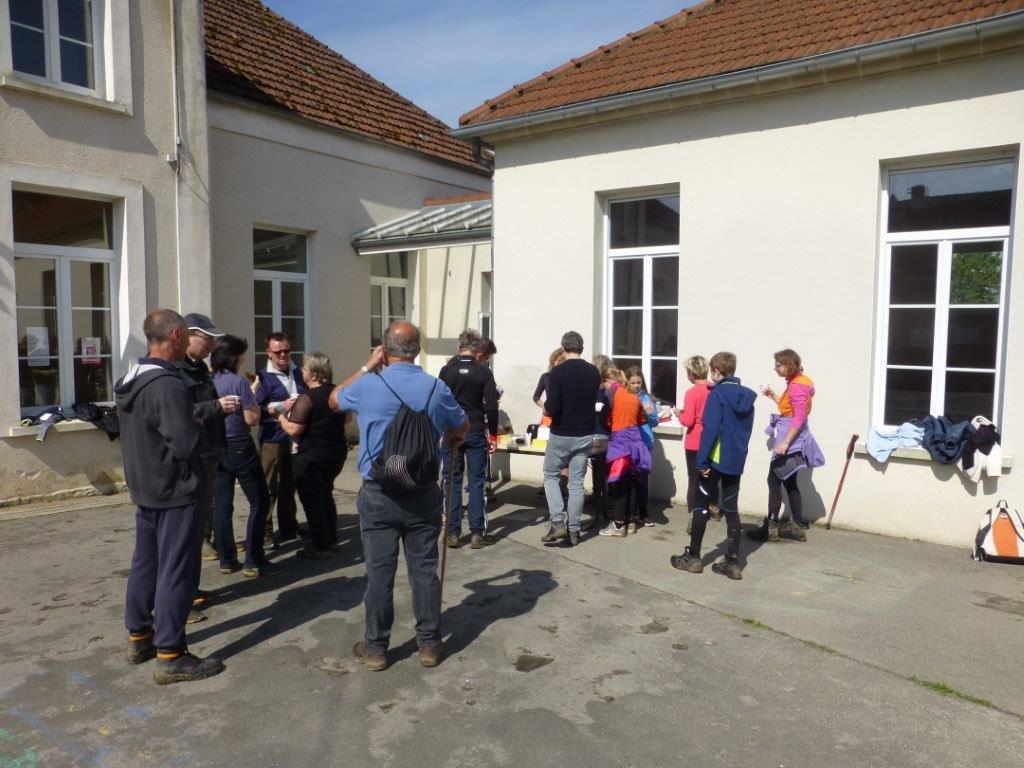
point(944, 240)
point(52, 39)
point(647, 254)
point(385, 302)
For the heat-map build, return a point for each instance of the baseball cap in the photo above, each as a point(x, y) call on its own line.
point(197, 322)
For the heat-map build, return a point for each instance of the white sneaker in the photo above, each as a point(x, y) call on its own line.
point(631, 528)
point(613, 530)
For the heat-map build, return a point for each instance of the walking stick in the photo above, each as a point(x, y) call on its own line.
point(445, 512)
point(842, 479)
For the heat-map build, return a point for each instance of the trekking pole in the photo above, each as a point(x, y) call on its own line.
point(445, 513)
point(842, 479)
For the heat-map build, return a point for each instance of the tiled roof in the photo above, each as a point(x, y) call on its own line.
point(721, 36)
point(255, 54)
point(439, 221)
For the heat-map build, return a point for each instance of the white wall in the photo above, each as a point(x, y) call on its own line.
point(779, 246)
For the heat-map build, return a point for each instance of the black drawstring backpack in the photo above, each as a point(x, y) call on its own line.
point(408, 460)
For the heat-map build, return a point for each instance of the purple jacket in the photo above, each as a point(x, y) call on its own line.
point(804, 442)
point(629, 443)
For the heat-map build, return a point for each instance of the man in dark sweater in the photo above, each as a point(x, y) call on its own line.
point(571, 395)
point(161, 440)
point(475, 391)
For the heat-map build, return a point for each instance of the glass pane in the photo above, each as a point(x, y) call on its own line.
point(396, 303)
point(666, 281)
point(377, 300)
point(293, 299)
point(950, 198)
point(37, 333)
point(93, 381)
point(90, 323)
point(89, 284)
point(35, 282)
point(75, 19)
point(622, 363)
point(54, 220)
point(264, 326)
point(376, 331)
point(263, 298)
point(639, 223)
point(39, 383)
point(969, 395)
point(975, 274)
point(76, 66)
point(913, 273)
point(394, 264)
point(908, 395)
point(28, 51)
point(27, 12)
point(278, 251)
point(260, 361)
point(663, 380)
point(911, 336)
point(628, 282)
point(663, 337)
point(627, 330)
point(972, 338)
point(295, 328)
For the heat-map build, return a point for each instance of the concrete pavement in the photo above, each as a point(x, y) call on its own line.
point(599, 655)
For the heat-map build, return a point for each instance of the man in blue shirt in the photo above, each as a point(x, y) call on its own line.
point(414, 518)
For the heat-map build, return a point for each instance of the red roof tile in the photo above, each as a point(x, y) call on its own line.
point(469, 197)
point(255, 54)
point(721, 36)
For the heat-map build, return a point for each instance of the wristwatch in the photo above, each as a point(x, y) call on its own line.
point(364, 369)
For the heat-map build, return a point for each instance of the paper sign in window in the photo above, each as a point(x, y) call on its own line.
point(90, 350)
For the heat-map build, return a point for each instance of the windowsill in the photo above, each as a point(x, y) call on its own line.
point(670, 430)
point(72, 425)
point(916, 454)
point(11, 80)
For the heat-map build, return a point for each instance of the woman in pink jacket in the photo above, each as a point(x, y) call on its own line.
point(692, 417)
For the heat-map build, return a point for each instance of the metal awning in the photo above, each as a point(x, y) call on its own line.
point(439, 224)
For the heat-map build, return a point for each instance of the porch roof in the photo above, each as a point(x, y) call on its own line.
point(441, 221)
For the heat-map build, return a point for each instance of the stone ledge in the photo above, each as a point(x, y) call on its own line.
point(915, 454)
point(72, 425)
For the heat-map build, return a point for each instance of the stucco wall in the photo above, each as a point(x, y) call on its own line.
point(95, 146)
point(779, 246)
point(281, 174)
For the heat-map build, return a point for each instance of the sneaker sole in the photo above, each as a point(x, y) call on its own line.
point(162, 679)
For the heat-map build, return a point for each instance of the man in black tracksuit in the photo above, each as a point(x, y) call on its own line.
point(474, 389)
point(160, 441)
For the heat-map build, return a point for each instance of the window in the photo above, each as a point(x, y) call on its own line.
point(485, 317)
point(943, 289)
point(58, 41)
point(643, 290)
point(280, 290)
point(63, 269)
point(389, 286)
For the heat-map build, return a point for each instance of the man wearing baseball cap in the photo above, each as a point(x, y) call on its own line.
point(209, 410)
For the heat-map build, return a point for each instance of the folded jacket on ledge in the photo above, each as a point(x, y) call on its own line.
point(984, 440)
point(882, 441)
point(943, 439)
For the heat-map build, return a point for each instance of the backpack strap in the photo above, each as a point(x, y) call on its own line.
point(429, 397)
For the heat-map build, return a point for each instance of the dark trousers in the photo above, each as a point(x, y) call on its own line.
point(775, 486)
point(415, 521)
point(729, 504)
point(276, 459)
point(599, 472)
point(623, 493)
point(471, 457)
point(693, 484)
point(241, 462)
point(161, 582)
point(205, 513)
point(315, 469)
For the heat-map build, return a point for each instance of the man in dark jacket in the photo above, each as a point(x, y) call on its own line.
point(161, 441)
point(210, 410)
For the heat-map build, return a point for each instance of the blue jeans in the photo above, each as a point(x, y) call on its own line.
point(241, 462)
point(472, 453)
point(571, 452)
point(414, 519)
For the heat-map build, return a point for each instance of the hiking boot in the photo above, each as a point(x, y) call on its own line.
point(687, 562)
point(631, 528)
point(480, 540)
point(140, 647)
point(263, 569)
point(194, 617)
point(311, 553)
point(574, 538)
point(792, 531)
point(232, 567)
point(202, 598)
point(767, 531)
point(556, 533)
point(727, 567)
point(452, 541)
point(612, 529)
point(375, 661)
point(430, 655)
point(186, 667)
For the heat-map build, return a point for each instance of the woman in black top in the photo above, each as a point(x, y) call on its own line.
point(321, 448)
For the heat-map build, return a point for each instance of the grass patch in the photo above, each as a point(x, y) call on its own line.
point(945, 690)
point(757, 624)
point(821, 647)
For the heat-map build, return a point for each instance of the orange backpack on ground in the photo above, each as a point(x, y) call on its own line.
point(1000, 535)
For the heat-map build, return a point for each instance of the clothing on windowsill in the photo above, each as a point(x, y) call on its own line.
point(982, 450)
point(943, 439)
point(882, 441)
point(100, 416)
